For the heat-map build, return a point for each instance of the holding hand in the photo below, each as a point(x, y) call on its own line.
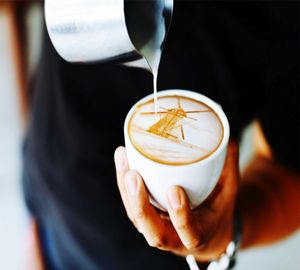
point(203, 232)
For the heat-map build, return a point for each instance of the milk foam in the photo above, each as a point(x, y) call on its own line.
point(182, 132)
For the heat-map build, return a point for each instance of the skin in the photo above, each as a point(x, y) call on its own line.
point(203, 232)
point(267, 196)
point(266, 193)
point(15, 14)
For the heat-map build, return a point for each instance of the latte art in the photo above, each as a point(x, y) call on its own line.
point(183, 130)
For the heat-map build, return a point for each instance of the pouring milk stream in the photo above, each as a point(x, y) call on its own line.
point(131, 28)
point(154, 35)
point(118, 31)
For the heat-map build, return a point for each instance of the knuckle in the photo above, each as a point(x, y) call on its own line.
point(140, 211)
point(139, 214)
point(193, 243)
point(120, 184)
point(183, 226)
point(129, 175)
point(157, 242)
point(136, 225)
point(130, 216)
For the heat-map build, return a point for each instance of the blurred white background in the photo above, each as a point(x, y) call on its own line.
point(13, 216)
point(13, 221)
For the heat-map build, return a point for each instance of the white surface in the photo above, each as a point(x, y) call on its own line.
point(284, 255)
point(12, 213)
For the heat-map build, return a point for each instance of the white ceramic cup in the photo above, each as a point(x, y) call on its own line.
point(198, 179)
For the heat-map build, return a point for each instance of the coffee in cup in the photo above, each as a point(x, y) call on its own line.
point(183, 143)
point(182, 131)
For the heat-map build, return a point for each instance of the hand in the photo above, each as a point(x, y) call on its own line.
point(203, 232)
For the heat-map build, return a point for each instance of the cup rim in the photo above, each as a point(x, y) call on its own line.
point(190, 94)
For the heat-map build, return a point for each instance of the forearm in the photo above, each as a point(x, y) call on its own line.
point(269, 202)
point(15, 13)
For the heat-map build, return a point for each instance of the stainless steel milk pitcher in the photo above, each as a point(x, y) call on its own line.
point(106, 30)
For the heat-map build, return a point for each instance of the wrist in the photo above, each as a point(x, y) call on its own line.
point(227, 259)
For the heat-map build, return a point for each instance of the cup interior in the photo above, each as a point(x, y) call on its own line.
point(193, 95)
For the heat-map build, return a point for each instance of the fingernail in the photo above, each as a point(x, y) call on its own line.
point(174, 198)
point(132, 184)
point(121, 162)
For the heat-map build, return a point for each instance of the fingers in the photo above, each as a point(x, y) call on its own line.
point(230, 174)
point(232, 153)
point(227, 185)
point(121, 169)
point(156, 230)
point(182, 218)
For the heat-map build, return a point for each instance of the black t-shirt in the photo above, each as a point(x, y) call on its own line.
point(243, 55)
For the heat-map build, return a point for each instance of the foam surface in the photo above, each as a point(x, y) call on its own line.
point(182, 132)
